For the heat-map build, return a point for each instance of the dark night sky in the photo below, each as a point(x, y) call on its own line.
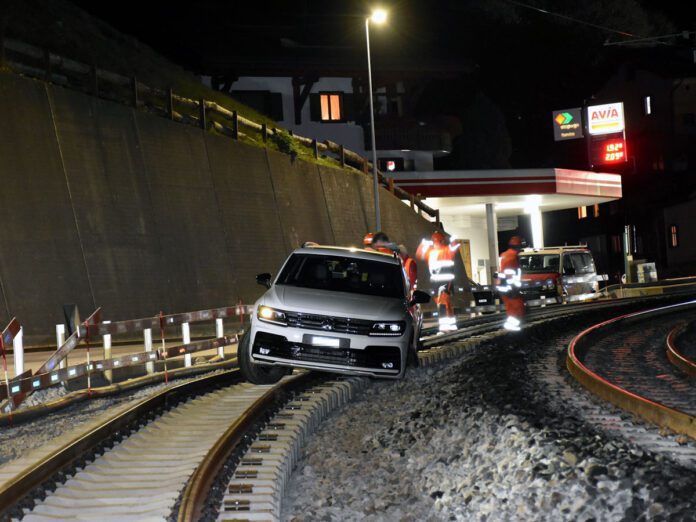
point(430, 29)
point(526, 61)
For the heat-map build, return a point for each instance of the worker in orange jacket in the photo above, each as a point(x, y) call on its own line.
point(379, 241)
point(439, 252)
point(510, 283)
point(410, 267)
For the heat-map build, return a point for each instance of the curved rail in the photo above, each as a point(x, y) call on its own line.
point(655, 412)
point(198, 487)
point(13, 492)
point(676, 357)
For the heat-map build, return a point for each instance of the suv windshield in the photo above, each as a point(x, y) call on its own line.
point(343, 274)
point(539, 263)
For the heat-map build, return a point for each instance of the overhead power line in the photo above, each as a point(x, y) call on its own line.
point(574, 20)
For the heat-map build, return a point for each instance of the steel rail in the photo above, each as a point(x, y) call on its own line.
point(675, 356)
point(652, 411)
point(13, 492)
point(198, 487)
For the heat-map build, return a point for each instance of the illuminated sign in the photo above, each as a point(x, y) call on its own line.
point(609, 151)
point(605, 119)
point(614, 151)
point(391, 165)
point(567, 124)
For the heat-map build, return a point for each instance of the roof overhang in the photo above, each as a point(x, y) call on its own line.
point(511, 191)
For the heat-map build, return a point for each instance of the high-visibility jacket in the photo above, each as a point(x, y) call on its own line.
point(510, 275)
point(411, 269)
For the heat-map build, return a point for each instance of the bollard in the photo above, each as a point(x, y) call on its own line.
point(220, 332)
point(60, 341)
point(149, 367)
point(18, 348)
point(106, 338)
point(186, 334)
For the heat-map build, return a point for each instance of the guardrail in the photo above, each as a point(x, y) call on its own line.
point(50, 373)
point(45, 65)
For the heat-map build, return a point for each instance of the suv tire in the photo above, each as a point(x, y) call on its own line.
point(256, 373)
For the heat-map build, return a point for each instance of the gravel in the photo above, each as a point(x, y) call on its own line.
point(480, 439)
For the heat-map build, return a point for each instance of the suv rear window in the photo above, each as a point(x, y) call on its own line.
point(539, 263)
point(343, 274)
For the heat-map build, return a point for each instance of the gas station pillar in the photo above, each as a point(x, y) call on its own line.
point(492, 226)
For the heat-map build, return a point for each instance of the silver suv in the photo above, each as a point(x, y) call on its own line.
point(333, 309)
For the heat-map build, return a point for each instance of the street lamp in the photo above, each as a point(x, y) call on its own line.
point(379, 16)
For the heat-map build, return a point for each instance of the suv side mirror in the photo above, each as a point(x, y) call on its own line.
point(264, 279)
point(419, 297)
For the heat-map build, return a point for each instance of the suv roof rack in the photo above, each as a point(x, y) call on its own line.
point(312, 244)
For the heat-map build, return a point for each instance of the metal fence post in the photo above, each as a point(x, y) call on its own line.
point(264, 132)
point(147, 333)
point(186, 335)
point(315, 149)
point(201, 114)
point(220, 332)
point(235, 125)
point(134, 92)
point(170, 104)
point(342, 154)
point(106, 338)
point(18, 350)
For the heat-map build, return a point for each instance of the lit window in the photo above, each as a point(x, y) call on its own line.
point(582, 212)
point(330, 107)
point(673, 236)
point(596, 210)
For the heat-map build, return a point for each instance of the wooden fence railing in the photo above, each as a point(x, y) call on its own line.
point(42, 64)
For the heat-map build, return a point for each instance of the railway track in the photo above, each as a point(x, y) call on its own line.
point(624, 360)
point(163, 437)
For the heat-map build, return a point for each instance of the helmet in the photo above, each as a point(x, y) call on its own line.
point(367, 240)
point(438, 237)
point(515, 241)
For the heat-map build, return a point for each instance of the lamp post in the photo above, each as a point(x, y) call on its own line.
point(379, 16)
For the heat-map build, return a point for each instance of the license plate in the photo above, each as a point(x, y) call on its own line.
point(327, 342)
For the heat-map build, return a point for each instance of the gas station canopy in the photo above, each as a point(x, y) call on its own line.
point(510, 191)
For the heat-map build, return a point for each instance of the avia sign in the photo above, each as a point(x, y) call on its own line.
point(605, 119)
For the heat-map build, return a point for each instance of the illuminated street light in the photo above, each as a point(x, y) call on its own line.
point(379, 16)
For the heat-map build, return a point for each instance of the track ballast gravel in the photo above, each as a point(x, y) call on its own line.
point(481, 439)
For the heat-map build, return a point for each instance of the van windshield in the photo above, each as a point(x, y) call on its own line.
point(343, 274)
point(580, 262)
point(539, 263)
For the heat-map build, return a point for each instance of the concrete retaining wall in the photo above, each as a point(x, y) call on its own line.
point(105, 206)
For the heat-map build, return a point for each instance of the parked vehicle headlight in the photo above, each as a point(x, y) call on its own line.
point(550, 285)
point(389, 329)
point(271, 315)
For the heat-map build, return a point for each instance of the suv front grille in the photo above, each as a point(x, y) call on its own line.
point(328, 323)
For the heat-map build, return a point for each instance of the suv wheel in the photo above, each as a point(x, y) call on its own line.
point(412, 354)
point(256, 373)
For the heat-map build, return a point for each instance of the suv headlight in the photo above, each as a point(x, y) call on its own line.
point(550, 285)
point(271, 315)
point(388, 329)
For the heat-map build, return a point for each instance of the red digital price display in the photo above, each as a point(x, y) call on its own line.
point(614, 151)
point(608, 150)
